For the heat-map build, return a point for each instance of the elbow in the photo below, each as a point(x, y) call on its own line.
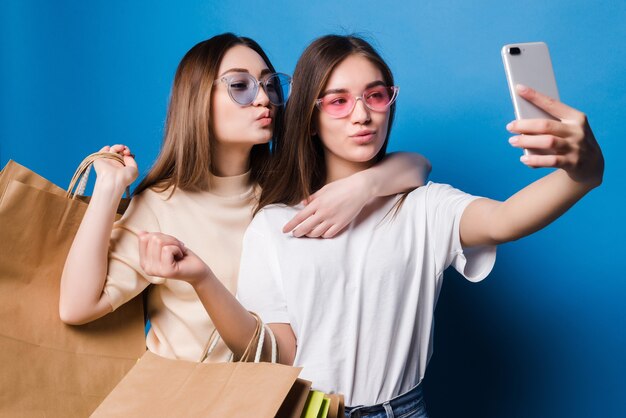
point(68, 316)
point(424, 163)
point(428, 167)
point(71, 316)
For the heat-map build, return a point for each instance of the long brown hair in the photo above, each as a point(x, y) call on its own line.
point(185, 157)
point(298, 167)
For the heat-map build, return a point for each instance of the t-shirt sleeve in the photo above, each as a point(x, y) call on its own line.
point(445, 206)
point(260, 287)
point(125, 277)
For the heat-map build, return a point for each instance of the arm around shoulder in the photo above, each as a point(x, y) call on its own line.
point(329, 210)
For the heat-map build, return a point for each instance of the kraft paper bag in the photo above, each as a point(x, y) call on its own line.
point(160, 387)
point(294, 403)
point(48, 368)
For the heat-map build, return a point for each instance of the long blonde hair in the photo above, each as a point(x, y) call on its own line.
point(185, 159)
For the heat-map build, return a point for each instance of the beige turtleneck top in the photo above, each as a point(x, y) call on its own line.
point(212, 225)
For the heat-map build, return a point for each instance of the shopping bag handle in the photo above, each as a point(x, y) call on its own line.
point(81, 175)
point(258, 337)
point(259, 348)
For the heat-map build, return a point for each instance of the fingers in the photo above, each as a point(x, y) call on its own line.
point(300, 217)
point(159, 253)
point(307, 226)
point(129, 160)
point(319, 230)
point(536, 161)
point(547, 151)
point(540, 142)
point(311, 198)
point(118, 148)
point(567, 143)
point(123, 150)
point(549, 104)
point(170, 255)
point(539, 127)
point(333, 231)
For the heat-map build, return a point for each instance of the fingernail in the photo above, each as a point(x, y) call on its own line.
point(522, 88)
point(513, 140)
point(524, 159)
point(509, 126)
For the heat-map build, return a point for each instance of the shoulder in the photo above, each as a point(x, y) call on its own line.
point(271, 218)
point(151, 199)
point(429, 191)
point(437, 196)
point(147, 206)
point(277, 211)
point(432, 190)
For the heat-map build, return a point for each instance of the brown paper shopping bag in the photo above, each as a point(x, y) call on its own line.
point(48, 368)
point(160, 387)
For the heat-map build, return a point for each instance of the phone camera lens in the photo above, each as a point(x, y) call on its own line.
point(514, 51)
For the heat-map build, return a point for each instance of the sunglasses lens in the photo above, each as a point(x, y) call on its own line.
point(337, 105)
point(243, 89)
point(278, 88)
point(379, 98)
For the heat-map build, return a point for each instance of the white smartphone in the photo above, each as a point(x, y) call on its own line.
point(529, 64)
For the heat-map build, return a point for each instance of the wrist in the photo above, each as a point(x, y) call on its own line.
point(109, 185)
point(368, 183)
point(202, 280)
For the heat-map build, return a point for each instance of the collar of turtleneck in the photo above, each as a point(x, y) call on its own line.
point(229, 186)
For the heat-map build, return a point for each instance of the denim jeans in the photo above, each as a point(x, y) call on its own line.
point(408, 405)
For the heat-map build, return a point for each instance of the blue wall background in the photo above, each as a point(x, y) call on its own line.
point(544, 335)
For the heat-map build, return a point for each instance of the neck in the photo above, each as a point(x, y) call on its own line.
point(230, 159)
point(337, 168)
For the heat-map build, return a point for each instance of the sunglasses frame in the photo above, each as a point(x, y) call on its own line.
point(263, 83)
point(395, 89)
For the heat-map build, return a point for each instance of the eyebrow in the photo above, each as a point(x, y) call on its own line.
point(243, 70)
point(368, 86)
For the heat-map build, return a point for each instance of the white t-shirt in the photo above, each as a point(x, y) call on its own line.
point(361, 304)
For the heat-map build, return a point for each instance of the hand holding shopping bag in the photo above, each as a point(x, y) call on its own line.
point(49, 368)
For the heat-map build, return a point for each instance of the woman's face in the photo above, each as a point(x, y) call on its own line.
point(358, 137)
point(233, 123)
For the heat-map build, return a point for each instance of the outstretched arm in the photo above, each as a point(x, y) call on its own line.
point(336, 204)
point(567, 144)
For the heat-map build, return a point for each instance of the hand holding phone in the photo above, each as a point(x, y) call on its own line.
point(560, 139)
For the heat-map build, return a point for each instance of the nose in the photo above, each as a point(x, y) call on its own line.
point(261, 98)
point(360, 113)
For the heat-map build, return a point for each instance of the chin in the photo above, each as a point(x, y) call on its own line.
point(365, 154)
point(260, 138)
point(360, 159)
point(264, 139)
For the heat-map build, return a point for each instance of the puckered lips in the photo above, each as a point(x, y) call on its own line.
point(364, 136)
point(265, 117)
